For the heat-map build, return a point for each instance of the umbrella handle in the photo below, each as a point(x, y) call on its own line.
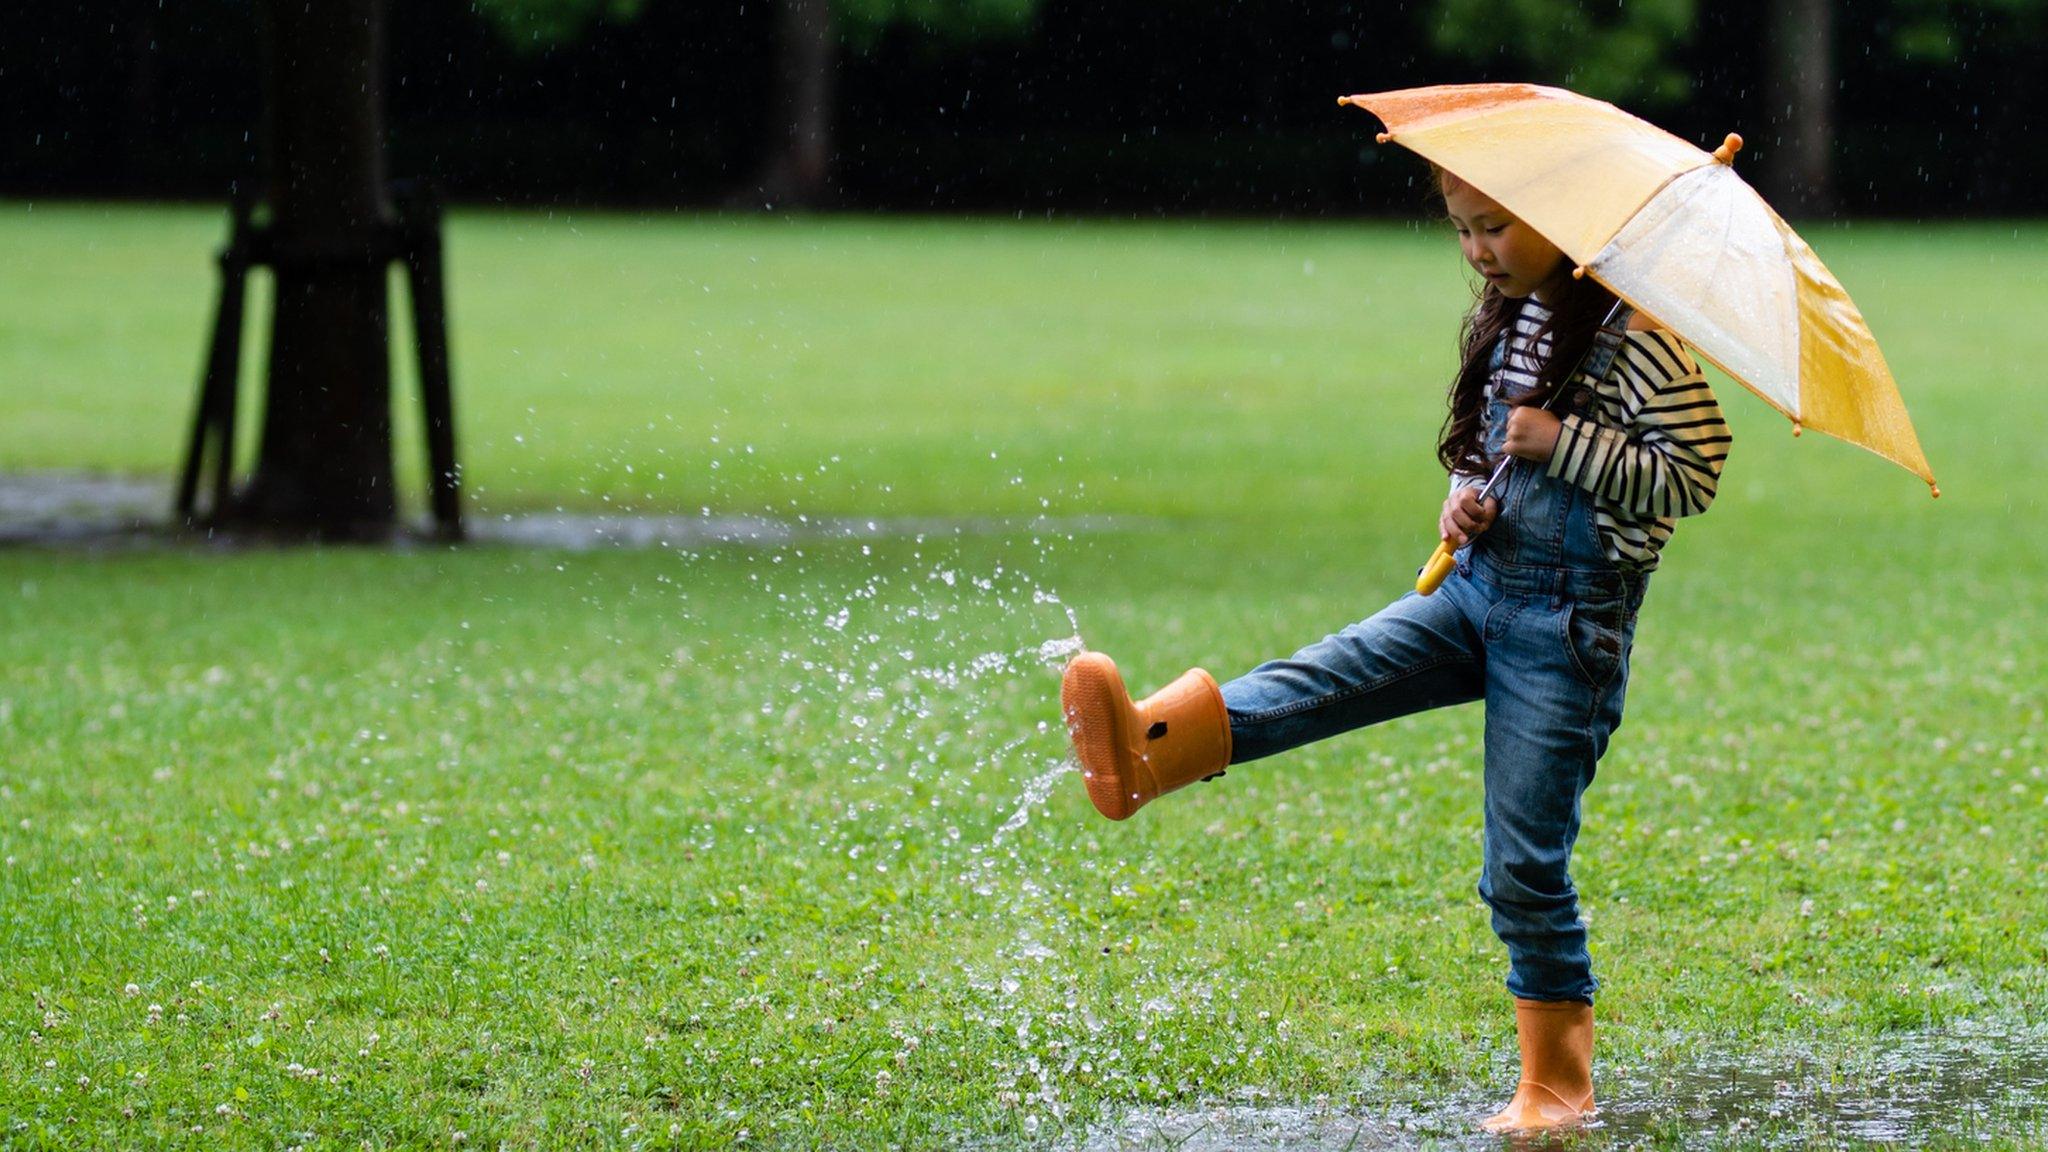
point(1438, 569)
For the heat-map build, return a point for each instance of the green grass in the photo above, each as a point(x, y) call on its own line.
point(624, 849)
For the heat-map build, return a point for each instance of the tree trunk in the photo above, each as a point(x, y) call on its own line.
point(324, 464)
point(801, 163)
point(1801, 87)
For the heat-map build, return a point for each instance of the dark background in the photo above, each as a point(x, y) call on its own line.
point(1093, 108)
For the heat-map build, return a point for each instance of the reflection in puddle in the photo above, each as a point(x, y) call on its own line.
point(1951, 1087)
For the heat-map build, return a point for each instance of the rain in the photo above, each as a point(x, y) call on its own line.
point(540, 541)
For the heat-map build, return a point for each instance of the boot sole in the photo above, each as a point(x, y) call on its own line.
point(1097, 708)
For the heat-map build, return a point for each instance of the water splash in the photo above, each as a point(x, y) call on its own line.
point(1056, 652)
point(912, 695)
point(1036, 792)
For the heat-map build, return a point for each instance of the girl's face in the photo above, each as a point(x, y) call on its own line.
point(1510, 254)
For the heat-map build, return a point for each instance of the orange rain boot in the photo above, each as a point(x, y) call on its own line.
point(1557, 1067)
point(1131, 753)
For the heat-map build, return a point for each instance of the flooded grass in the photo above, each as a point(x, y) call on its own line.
point(1970, 1086)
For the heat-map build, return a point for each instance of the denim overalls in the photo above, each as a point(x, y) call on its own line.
point(1537, 622)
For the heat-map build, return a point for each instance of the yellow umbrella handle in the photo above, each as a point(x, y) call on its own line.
point(1439, 567)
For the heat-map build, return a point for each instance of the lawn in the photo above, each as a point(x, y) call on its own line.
point(770, 844)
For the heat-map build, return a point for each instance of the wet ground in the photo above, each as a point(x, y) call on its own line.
point(1952, 1087)
point(58, 508)
point(1948, 1087)
point(78, 507)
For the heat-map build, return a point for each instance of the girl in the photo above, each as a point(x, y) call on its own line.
point(1537, 618)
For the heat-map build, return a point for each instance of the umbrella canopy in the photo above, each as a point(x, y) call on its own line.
point(1674, 231)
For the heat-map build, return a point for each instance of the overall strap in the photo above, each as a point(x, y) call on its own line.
point(1599, 359)
point(1607, 343)
point(1577, 394)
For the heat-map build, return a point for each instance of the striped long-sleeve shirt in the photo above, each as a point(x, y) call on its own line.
point(1654, 448)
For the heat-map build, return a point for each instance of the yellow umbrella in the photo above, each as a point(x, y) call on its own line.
point(1671, 229)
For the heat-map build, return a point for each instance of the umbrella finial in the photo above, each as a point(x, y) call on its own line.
point(1726, 152)
point(1383, 137)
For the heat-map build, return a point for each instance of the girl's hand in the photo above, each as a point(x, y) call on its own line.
point(1532, 434)
point(1465, 516)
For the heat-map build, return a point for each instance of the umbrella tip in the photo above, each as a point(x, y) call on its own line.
point(1384, 137)
point(1725, 154)
point(1798, 429)
point(1934, 489)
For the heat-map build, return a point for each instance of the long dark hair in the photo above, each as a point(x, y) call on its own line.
point(1576, 309)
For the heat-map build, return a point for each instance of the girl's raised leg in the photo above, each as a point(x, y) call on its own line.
point(1417, 653)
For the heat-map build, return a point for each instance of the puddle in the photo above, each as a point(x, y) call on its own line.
point(61, 508)
point(1951, 1087)
point(67, 507)
point(576, 532)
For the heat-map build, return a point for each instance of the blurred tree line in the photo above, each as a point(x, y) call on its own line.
point(1898, 107)
point(304, 110)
